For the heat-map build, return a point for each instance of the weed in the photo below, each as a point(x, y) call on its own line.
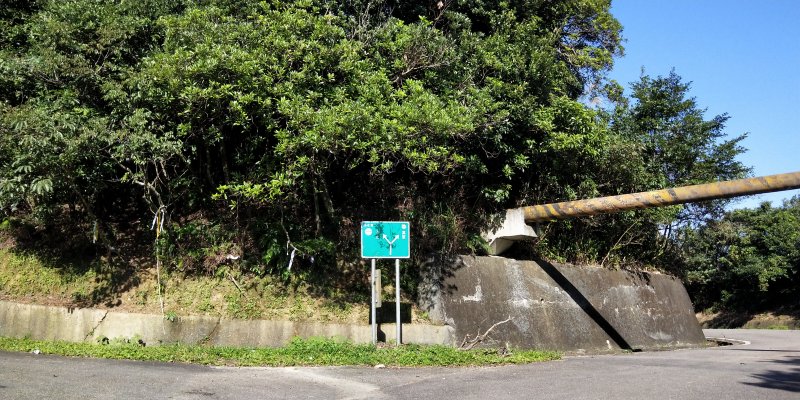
point(241, 307)
point(31, 278)
point(778, 327)
point(423, 316)
point(171, 316)
point(80, 296)
point(141, 297)
point(298, 352)
point(27, 275)
point(205, 306)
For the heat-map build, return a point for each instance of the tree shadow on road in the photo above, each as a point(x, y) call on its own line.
point(786, 380)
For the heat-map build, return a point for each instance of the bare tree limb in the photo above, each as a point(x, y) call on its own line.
point(468, 343)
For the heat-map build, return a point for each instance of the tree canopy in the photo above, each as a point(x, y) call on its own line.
point(263, 126)
point(749, 259)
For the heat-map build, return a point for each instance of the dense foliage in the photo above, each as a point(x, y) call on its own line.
point(749, 259)
point(658, 138)
point(267, 130)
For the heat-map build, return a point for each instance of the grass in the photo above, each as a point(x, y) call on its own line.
point(29, 278)
point(782, 318)
point(299, 352)
point(777, 327)
point(26, 275)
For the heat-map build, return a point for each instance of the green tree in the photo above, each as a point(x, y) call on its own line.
point(658, 138)
point(261, 126)
point(307, 116)
point(679, 145)
point(747, 260)
point(291, 108)
point(61, 64)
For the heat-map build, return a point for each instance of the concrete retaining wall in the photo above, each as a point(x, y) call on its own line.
point(559, 307)
point(90, 325)
point(551, 307)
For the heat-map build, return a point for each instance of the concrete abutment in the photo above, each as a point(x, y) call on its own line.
point(559, 307)
point(549, 307)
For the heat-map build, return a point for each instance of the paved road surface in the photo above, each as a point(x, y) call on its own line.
point(767, 368)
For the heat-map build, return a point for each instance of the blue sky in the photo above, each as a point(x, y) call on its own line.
point(742, 57)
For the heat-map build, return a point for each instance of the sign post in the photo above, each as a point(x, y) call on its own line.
point(397, 298)
point(372, 304)
point(385, 239)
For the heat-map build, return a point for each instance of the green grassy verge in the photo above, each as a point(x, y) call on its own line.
point(777, 327)
point(299, 352)
point(28, 278)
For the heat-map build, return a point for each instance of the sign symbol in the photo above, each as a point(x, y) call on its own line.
point(390, 243)
point(385, 239)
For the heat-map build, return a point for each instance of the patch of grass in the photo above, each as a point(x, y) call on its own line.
point(299, 352)
point(778, 327)
point(332, 311)
point(29, 278)
point(241, 307)
point(205, 305)
point(26, 275)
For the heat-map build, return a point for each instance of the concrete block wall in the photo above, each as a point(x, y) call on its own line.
point(548, 306)
point(559, 307)
point(90, 325)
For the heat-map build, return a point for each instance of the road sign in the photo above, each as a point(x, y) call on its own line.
point(385, 239)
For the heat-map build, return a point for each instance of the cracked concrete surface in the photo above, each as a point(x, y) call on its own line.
point(81, 325)
point(91, 333)
point(562, 307)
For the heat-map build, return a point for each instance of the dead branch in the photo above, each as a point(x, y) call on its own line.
point(237, 286)
point(468, 343)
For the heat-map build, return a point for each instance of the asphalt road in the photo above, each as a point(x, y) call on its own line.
point(766, 368)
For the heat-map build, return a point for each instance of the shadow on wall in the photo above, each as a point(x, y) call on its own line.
point(584, 304)
point(787, 380)
point(434, 271)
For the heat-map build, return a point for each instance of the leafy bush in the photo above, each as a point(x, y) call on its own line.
point(285, 123)
point(748, 260)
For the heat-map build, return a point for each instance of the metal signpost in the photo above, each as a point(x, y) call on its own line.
point(385, 239)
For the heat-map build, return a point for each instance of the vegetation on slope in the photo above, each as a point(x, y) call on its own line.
point(747, 260)
point(246, 140)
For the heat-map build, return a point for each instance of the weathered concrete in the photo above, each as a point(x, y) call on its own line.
point(90, 325)
point(559, 307)
point(550, 307)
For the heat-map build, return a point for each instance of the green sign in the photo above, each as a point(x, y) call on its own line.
point(385, 239)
